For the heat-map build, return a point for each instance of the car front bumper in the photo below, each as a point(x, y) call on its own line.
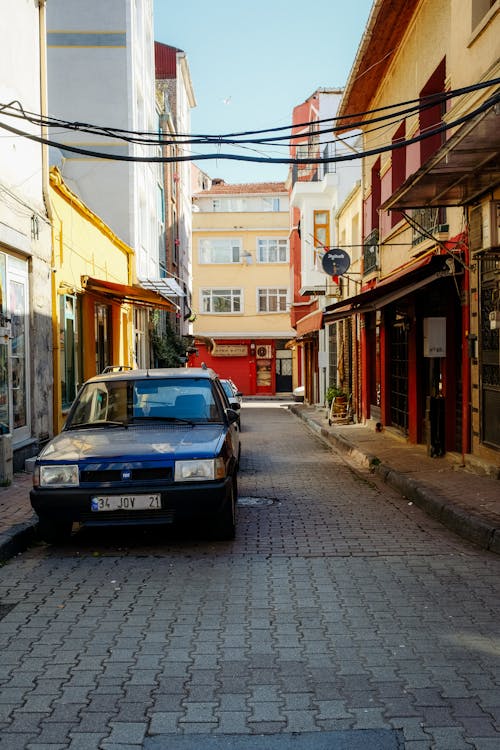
point(180, 502)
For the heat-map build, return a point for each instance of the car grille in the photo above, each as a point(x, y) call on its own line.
point(109, 476)
point(119, 517)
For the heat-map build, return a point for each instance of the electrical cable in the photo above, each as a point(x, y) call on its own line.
point(197, 139)
point(441, 128)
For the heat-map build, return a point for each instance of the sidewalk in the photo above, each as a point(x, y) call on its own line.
point(465, 499)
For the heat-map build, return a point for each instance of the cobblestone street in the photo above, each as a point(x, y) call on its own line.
point(341, 617)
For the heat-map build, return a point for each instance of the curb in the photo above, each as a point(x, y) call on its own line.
point(478, 529)
point(17, 539)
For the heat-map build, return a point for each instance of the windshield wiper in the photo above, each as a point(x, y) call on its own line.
point(161, 419)
point(101, 423)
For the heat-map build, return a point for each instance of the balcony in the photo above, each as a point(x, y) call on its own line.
point(432, 222)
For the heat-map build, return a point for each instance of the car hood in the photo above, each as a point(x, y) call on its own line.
point(165, 441)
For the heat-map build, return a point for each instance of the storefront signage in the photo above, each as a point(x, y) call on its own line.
point(335, 261)
point(230, 350)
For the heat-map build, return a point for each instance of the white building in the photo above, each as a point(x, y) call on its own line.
point(317, 192)
point(25, 239)
point(101, 71)
point(176, 95)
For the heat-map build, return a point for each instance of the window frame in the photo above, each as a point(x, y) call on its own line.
point(262, 244)
point(317, 225)
point(207, 294)
point(233, 244)
point(267, 293)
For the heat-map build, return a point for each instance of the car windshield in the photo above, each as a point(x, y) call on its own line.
point(114, 402)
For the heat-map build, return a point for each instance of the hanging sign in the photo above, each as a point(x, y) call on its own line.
point(335, 261)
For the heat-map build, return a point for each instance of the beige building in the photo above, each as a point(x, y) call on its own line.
point(241, 284)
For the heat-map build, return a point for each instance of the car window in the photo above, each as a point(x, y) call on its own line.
point(143, 399)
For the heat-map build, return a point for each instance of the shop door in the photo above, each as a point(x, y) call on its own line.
point(5, 333)
point(284, 371)
point(399, 374)
point(490, 352)
point(264, 368)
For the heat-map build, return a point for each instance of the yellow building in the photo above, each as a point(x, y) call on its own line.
point(95, 299)
point(241, 284)
point(426, 82)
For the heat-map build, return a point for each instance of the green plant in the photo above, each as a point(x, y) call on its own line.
point(169, 349)
point(333, 392)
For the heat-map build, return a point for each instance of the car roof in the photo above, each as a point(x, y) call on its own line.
point(155, 373)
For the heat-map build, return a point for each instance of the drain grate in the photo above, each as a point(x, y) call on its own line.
point(254, 502)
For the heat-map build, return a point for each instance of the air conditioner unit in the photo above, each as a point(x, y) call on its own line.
point(264, 351)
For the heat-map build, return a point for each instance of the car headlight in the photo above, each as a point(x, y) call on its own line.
point(199, 470)
point(65, 475)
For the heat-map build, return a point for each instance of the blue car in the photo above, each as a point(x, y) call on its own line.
point(141, 447)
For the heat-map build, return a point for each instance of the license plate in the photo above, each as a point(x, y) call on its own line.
point(125, 502)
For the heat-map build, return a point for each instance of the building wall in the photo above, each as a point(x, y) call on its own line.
point(101, 71)
point(249, 345)
point(85, 246)
point(25, 242)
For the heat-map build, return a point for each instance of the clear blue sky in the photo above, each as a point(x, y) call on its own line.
point(253, 61)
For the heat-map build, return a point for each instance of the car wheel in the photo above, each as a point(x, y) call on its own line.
point(226, 523)
point(54, 532)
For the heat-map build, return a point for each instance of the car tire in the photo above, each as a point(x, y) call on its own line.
point(226, 523)
point(54, 532)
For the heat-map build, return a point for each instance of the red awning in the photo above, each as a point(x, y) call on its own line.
point(310, 323)
point(403, 281)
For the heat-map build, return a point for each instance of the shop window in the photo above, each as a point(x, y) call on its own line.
point(140, 343)
point(102, 338)
point(68, 349)
point(4, 351)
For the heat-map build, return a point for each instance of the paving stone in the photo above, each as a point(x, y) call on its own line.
point(338, 607)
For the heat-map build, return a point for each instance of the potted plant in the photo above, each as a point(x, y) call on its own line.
point(333, 392)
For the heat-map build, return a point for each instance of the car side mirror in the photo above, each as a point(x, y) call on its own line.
point(232, 416)
point(235, 405)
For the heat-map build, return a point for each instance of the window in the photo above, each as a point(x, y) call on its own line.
point(398, 167)
point(480, 8)
point(271, 204)
point(220, 250)
point(431, 115)
point(221, 301)
point(321, 229)
point(69, 347)
point(102, 337)
point(271, 299)
point(272, 250)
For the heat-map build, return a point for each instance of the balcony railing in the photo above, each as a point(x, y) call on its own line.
point(431, 220)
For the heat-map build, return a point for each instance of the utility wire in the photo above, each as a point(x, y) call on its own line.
point(441, 128)
point(140, 137)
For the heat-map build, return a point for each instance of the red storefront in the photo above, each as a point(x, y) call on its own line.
point(250, 363)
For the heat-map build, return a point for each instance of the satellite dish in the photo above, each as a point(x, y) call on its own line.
point(335, 261)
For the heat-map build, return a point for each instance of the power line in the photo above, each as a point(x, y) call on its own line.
point(139, 137)
point(441, 128)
